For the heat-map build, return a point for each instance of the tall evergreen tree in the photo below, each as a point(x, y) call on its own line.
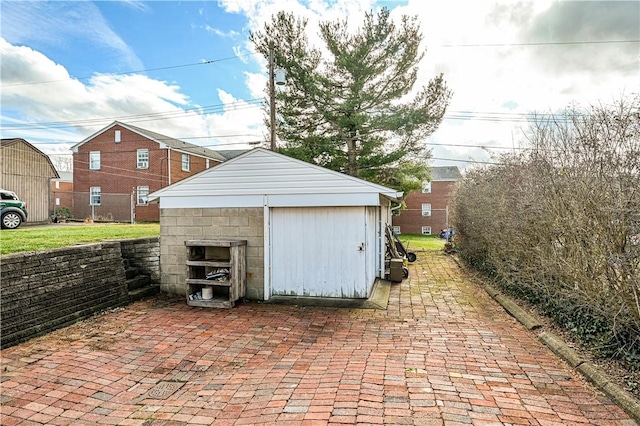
point(346, 107)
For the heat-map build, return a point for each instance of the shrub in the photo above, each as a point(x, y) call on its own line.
point(64, 212)
point(559, 224)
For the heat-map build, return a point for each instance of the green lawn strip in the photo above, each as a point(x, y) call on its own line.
point(417, 242)
point(34, 239)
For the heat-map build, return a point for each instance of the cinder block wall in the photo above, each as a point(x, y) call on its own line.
point(180, 225)
point(47, 290)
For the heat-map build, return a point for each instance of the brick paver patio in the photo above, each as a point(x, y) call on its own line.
point(444, 353)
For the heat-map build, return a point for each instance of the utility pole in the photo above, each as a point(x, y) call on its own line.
point(272, 99)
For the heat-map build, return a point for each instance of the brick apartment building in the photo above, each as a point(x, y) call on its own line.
point(61, 192)
point(427, 211)
point(116, 168)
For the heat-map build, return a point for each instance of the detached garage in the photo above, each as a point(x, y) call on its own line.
point(310, 231)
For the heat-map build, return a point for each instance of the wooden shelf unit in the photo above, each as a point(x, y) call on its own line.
point(205, 256)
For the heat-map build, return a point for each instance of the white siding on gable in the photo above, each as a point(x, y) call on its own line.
point(287, 182)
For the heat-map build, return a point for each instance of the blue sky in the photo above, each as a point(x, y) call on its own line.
point(70, 68)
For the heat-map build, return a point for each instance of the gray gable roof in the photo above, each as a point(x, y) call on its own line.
point(232, 153)
point(448, 173)
point(258, 175)
point(168, 141)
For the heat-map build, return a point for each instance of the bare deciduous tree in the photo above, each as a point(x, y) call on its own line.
point(560, 224)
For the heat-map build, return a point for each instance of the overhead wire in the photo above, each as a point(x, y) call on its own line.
point(253, 103)
point(542, 43)
point(181, 113)
point(130, 72)
point(212, 61)
point(242, 104)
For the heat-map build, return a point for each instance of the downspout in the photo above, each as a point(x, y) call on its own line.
point(169, 165)
point(267, 247)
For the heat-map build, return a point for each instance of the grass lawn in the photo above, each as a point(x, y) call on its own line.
point(27, 238)
point(416, 242)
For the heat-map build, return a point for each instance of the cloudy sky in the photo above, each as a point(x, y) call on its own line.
point(186, 69)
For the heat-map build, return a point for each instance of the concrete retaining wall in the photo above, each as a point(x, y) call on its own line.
point(43, 291)
point(144, 253)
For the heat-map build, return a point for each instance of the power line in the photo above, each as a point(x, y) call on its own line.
point(131, 72)
point(466, 161)
point(498, 117)
point(208, 62)
point(182, 113)
point(549, 43)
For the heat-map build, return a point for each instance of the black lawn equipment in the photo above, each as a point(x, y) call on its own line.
point(396, 250)
point(411, 256)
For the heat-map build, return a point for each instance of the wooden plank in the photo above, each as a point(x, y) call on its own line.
point(212, 263)
point(199, 281)
point(216, 243)
point(197, 253)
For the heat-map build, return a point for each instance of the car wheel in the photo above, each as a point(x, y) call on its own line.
point(11, 220)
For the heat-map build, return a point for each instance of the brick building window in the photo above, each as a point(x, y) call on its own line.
point(426, 209)
point(117, 137)
point(143, 195)
point(396, 230)
point(426, 230)
point(94, 160)
point(143, 159)
point(185, 162)
point(426, 188)
point(94, 196)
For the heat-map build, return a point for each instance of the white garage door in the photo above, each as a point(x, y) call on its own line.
point(319, 252)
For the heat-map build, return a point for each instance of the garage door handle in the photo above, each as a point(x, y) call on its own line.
point(361, 247)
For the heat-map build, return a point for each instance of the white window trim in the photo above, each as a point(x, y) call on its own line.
point(146, 201)
point(426, 188)
point(187, 162)
point(92, 153)
point(117, 136)
point(396, 230)
point(142, 164)
point(428, 229)
point(91, 195)
point(426, 211)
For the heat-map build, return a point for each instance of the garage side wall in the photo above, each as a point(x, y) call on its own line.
point(180, 225)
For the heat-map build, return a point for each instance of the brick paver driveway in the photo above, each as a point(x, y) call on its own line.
point(443, 353)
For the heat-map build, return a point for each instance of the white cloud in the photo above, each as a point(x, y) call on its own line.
point(72, 108)
point(492, 79)
point(238, 116)
point(137, 5)
point(256, 83)
point(221, 33)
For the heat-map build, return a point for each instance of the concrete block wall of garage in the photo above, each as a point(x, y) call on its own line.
point(180, 225)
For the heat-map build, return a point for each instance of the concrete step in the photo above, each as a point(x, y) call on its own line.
point(143, 293)
point(138, 282)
